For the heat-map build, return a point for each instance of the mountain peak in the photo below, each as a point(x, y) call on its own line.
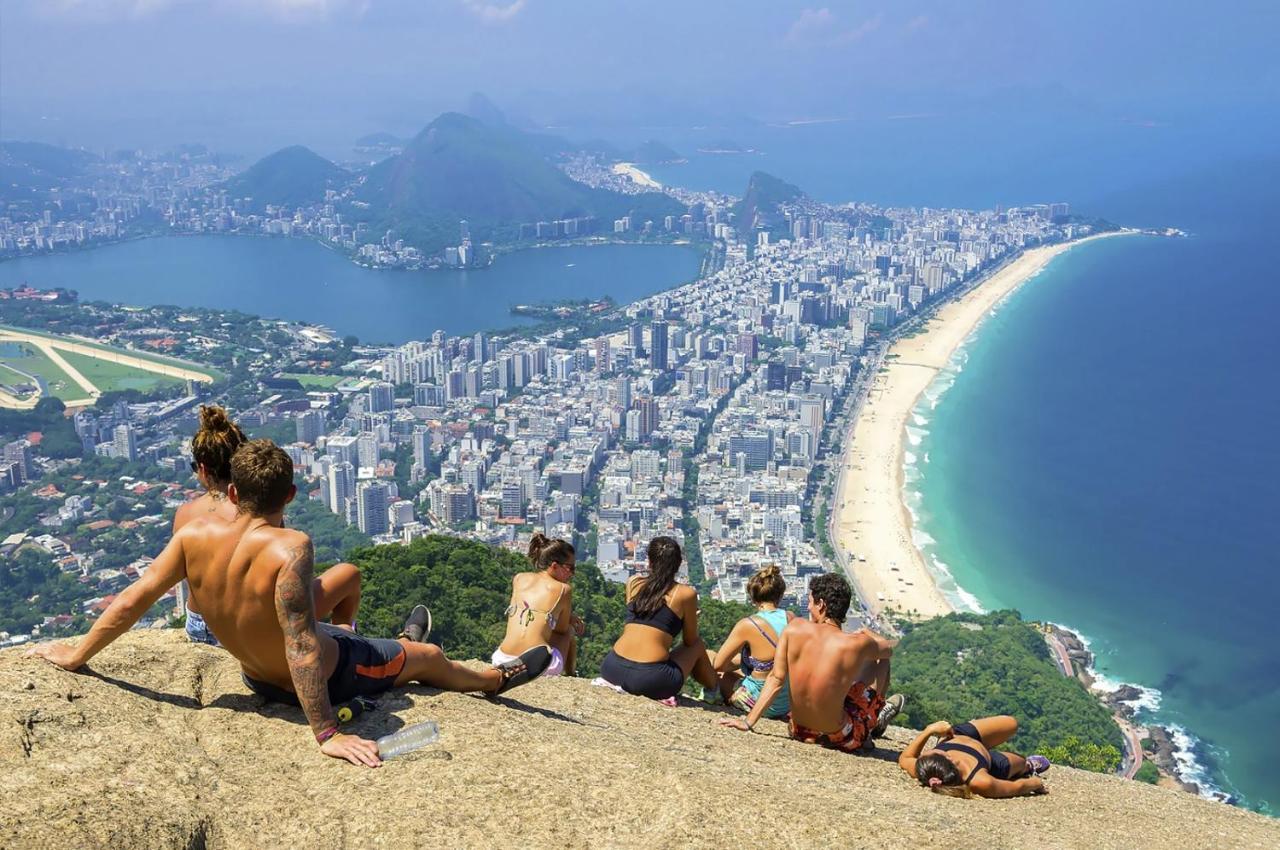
point(292, 176)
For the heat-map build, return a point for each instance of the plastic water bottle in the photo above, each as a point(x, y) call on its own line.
point(408, 739)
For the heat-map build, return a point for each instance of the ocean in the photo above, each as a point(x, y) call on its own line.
point(1102, 452)
point(298, 279)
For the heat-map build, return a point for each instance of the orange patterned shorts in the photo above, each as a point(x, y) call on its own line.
point(861, 710)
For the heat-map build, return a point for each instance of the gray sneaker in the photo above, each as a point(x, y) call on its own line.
point(418, 627)
point(892, 707)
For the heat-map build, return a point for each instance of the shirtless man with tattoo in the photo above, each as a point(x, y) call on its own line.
point(252, 579)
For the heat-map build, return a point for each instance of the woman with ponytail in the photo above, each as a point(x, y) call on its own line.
point(337, 590)
point(541, 609)
point(659, 609)
point(965, 762)
point(745, 659)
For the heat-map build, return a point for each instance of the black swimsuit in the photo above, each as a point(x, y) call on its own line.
point(998, 765)
point(652, 679)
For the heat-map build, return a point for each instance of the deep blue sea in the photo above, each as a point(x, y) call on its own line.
point(1103, 453)
point(298, 279)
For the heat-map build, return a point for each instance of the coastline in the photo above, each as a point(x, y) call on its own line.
point(874, 533)
point(872, 528)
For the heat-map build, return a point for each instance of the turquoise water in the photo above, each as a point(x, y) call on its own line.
point(1102, 454)
point(300, 280)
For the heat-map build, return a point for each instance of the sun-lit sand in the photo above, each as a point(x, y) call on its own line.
point(637, 176)
point(870, 522)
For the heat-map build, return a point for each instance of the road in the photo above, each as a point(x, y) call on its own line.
point(1132, 740)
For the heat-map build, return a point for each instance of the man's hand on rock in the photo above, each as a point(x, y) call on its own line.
point(62, 654)
point(353, 748)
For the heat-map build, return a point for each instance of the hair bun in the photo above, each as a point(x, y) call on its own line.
point(537, 543)
point(214, 418)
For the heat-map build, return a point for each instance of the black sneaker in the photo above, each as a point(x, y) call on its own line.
point(418, 627)
point(892, 707)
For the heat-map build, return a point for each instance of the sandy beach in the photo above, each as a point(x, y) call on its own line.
point(870, 523)
point(637, 176)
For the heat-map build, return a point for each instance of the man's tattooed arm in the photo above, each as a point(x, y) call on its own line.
point(296, 610)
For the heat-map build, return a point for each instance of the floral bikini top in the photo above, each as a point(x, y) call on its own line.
point(526, 613)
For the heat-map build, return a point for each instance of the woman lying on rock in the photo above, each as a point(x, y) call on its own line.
point(746, 657)
point(658, 610)
point(964, 762)
point(541, 609)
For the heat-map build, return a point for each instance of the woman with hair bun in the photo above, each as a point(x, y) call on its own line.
point(337, 590)
point(746, 657)
point(541, 609)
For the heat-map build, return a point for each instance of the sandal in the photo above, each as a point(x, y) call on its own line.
point(523, 669)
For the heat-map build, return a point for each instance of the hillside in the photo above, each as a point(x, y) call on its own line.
point(654, 152)
point(493, 177)
point(292, 177)
point(760, 202)
point(162, 746)
point(27, 166)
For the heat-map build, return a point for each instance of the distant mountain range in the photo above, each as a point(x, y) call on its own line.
point(494, 176)
point(293, 177)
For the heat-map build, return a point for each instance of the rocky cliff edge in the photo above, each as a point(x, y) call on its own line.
point(162, 746)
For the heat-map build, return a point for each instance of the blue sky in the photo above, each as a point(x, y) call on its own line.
point(144, 71)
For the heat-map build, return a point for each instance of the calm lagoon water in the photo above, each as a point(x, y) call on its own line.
point(301, 280)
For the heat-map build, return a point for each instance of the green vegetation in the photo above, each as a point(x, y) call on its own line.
point(33, 361)
point(110, 377)
point(1148, 773)
point(37, 316)
point(495, 178)
point(48, 418)
point(964, 666)
point(314, 382)
point(468, 585)
point(293, 177)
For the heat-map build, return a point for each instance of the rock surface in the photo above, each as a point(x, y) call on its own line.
point(162, 746)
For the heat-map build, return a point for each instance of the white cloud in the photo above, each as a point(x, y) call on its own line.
point(917, 23)
point(494, 13)
point(820, 28)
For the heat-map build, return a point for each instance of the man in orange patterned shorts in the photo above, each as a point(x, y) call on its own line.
point(837, 680)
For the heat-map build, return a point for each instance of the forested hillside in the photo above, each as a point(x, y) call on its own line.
point(964, 665)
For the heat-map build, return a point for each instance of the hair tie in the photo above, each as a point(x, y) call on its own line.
point(935, 782)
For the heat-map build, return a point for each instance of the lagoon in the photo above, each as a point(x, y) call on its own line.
point(297, 279)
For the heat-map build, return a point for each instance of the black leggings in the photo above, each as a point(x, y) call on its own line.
point(653, 679)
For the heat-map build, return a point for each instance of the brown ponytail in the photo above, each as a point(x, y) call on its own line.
point(766, 585)
point(215, 442)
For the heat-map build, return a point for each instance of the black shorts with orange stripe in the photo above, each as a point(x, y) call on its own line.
point(366, 667)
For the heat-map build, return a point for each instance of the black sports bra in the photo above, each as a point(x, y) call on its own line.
point(664, 619)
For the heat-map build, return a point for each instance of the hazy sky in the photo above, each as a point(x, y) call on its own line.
point(258, 72)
